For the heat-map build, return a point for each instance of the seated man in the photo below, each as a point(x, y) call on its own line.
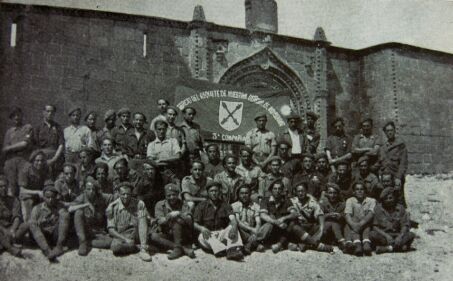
point(333, 209)
point(371, 181)
point(89, 217)
point(67, 186)
point(9, 219)
point(342, 177)
point(310, 176)
point(86, 165)
point(391, 225)
point(229, 179)
point(274, 164)
point(193, 187)
point(108, 156)
point(124, 174)
point(250, 172)
point(49, 223)
point(214, 164)
point(149, 188)
point(218, 228)
point(175, 224)
point(359, 211)
point(310, 218)
point(127, 223)
point(101, 175)
point(247, 215)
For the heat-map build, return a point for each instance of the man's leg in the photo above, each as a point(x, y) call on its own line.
point(7, 243)
point(79, 225)
point(120, 248)
point(381, 243)
point(61, 232)
point(143, 236)
point(27, 206)
point(11, 169)
point(101, 241)
point(366, 241)
point(353, 243)
point(406, 242)
point(40, 239)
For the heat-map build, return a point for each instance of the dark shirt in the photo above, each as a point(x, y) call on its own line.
point(345, 185)
point(137, 147)
point(119, 135)
point(45, 217)
point(9, 210)
point(149, 191)
point(393, 158)
point(163, 208)
point(31, 178)
point(313, 138)
point(211, 170)
point(96, 219)
point(67, 192)
point(328, 207)
point(391, 222)
point(274, 210)
point(132, 178)
point(212, 217)
point(48, 135)
point(289, 168)
point(313, 187)
point(338, 145)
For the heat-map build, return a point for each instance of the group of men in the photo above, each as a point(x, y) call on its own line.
point(134, 189)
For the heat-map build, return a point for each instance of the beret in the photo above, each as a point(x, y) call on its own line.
point(124, 184)
point(213, 183)
point(386, 191)
point(293, 116)
point(313, 115)
point(321, 155)
point(109, 114)
point(123, 111)
point(334, 186)
point(283, 141)
point(260, 114)
point(34, 154)
point(363, 158)
point(337, 119)
point(49, 186)
point(72, 110)
point(246, 148)
point(175, 109)
point(15, 111)
point(89, 113)
point(211, 144)
point(171, 187)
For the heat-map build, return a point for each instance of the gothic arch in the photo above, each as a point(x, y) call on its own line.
point(266, 70)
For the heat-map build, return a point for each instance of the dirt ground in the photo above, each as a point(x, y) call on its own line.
point(430, 204)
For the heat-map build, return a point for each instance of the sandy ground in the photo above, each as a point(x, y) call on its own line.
point(430, 204)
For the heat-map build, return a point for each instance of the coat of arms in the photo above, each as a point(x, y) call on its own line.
point(230, 114)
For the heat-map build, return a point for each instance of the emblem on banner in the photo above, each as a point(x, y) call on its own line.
point(230, 114)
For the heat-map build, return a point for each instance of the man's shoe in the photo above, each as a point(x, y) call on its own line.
point(176, 253)
point(145, 256)
point(348, 248)
point(324, 248)
point(15, 251)
point(302, 247)
point(293, 247)
point(277, 248)
point(57, 251)
point(367, 249)
point(235, 254)
point(383, 249)
point(358, 249)
point(189, 252)
point(260, 248)
point(83, 249)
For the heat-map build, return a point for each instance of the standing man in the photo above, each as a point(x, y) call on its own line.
point(367, 143)
point(162, 107)
point(119, 132)
point(393, 159)
point(48, 137)
point(192, 132)
point(290, 166)
point(76, 136)
point(174, 131)
point(260, 140)
point(229, 179)
point(214, 164)
point(295, 136)
point(338, 146)
point(136, 140)
point(313, 135)
point(16, 145)
point(107, 130)
point(90, 121)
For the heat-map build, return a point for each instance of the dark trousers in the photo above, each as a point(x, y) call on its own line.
point(6, 240)
point(11, 169)
point(273, 233)
point(335, 228)
point(178, 233)
point(380, 240)
point(353, 236)
point(55, 235)
point(119, 247)
point(86, 232)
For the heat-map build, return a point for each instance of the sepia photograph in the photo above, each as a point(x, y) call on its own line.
point(226, 140)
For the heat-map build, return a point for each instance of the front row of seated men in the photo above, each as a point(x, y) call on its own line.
point(294, 219)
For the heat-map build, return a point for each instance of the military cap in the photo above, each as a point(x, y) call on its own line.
point(171, 188)
point(283, 141)
point(336, 120)
point(74, 109)
point(386, 191)
point(213, 183)
point(123, 111)
point(109, 114)
point(211, 144)
point(363, 158)
point(125, 184)
point(260, 114)
point(334, 186)
point(36, 153)
point(246, 148)
point(90, 113)
point(175, 109)
point(321, 155)
point(293, 116)
point(15, 111)
point(313, 115)
point(49, 186)
point(389, 122)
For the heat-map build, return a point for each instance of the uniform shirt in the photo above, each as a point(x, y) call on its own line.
point(48, 135)
point(313, 138)
point(266, 180)
point(67, 192)
point(110, 161)
point(30, 178)
point(308, 211)
point(96, 219)
point(15, 135)
point(296, 147)
point(213, 217)
point(177, 133)
point(9, 210)
point(391, 222)
point(246, 213)
point(193, 136)
point(161, 149)
point(359, 210)
point(393, 158)
point(95, 143)
point(121, 218)
point(148, 190)
point(250, 175)
point(260, 142)
point(47, 218)
point(290, 167)
point(229, 185)
point(163, 208)
point(137, 146)
point(276, 209)
point(77, 137)
point(118, 135)
point(210, 170)
point(338, 145)
point(372, 184)
point(328, 207)
point(189, 185)
point(361, 141)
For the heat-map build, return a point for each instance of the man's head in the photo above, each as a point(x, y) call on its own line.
point(50, 194)
point(342, 169)
point(160, 127)
point(213, 189)
point(125, 193)
point(293, 122)
point(172, 113)
point(332, 192)
point(363, 165)
point(246, 156)
point(261, 121)
point(244, 194)
point(230, 163)
point(213, 152)
point(388, 197)
point(359, 190)
point(3, 186)
point(107, 146)
point(38, 160)
point(189, 114)
point(86, 157)
point(90, 120)
point(149, 170)
point(284, 149)
point(322, 162)
point(110, 118)
point(162, 105)
point(301, 191)
point(338, 125)
point(389, 130)
point(91, 188)
point(274, 165)
point(139, 120)
point(277, 189)
point(75, 115)
point(387, 180)
point(101, 172)
point(367, 126)
point(307, 162)
point(121, 168)
point(125, 116)
point(16, 116)
point(197, 169)
point(69, 171)
point(49, 112)
point(172, 194)
point(311, 119)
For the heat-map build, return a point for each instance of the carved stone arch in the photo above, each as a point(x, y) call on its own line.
point(266, 70)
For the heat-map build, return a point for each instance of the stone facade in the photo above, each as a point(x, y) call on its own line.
point(97, 60)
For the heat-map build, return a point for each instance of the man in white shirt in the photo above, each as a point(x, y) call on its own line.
point(76, 136)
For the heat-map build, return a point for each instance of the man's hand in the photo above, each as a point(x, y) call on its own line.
point(174, 214)
point(91, 207)
point(283, 225)
point(206, 233)
point(12, 233)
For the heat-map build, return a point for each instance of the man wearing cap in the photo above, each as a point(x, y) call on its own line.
point(260, 140)
point(127, 223)
point(214, 164)
point(10, 218)
point(124, 174)
point(229, 179)
point(338, 145)
point(294, 136)
point(312, 134)
point(290, 166)
point(49, 223)
point(273, 167)
point(391, 225)
point(217, 224)
point(48, 136)
point(367, 143)
point(193, 187)
point(162, 108)
point(311, 177)
point(109, 125)
point(393, 159)
point(16, 145)
point(174, 219)
point(343, 178)
point(333, 208)
point(119, 132)
point(371, 181)
point(192, 131)
point(76, 136)
point(89, 217)
point(32, 177)
point(67, 186)
point(150, 186)
point(108, 156)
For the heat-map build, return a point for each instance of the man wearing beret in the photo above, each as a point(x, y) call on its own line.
point(162, 108)
point(109, 125)
point(333, 208)
point(127, 223)
point(313, 135)
point(363, 174)
point(174, 131)
point(89, 217)
point(217, 224)
point(309, 176)
point(76, 136)
point(48, 136)
point(249, 172)
point(214, 164)
point(175, 224)
point(274, 173)
point(367, 143)
point(119, 132)
point(338, 145)
point(295, 136)
point(16, 146)
point(393, 159)
point(260, 140)
point(49, 223)
point(391, 225)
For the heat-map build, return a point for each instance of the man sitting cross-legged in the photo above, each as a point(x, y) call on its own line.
point(333, 208)
point(175, 223)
